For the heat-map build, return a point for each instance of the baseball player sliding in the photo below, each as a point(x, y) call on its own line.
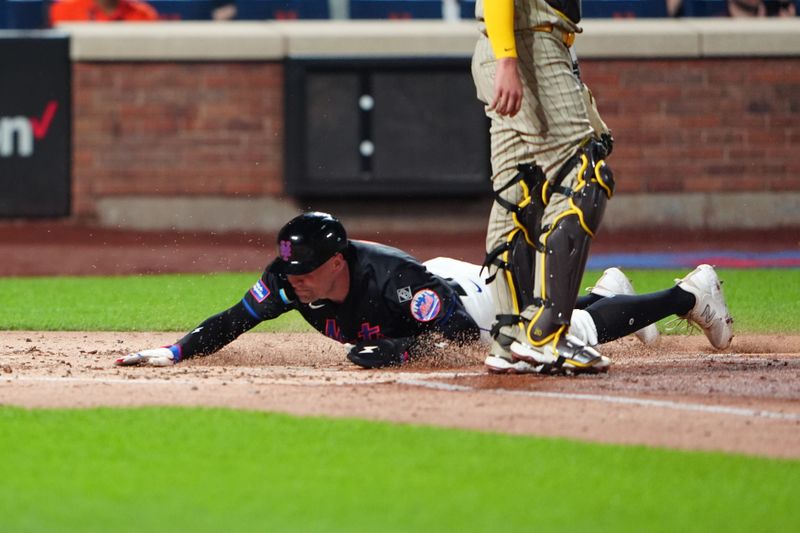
point(382, 303)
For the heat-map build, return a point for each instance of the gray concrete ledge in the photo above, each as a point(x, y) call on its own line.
point(706, 211)
point(188, 213)
point(711, 211)
point(275, 40)
point(619, 38)
point(367, 38)
point(174, 41)
point(748, 37)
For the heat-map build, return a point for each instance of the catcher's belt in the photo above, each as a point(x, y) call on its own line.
point(565, 36)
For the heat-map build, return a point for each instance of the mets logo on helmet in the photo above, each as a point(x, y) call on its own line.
point(425, 305)
point(286, 250)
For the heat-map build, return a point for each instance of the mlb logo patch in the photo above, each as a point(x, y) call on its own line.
point(425, 305)
point(259, 291)
point(404, 294)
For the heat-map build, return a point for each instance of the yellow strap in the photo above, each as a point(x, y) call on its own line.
point(567, 37)
point(499, 18)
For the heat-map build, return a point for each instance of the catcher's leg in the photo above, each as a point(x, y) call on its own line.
point(511, 257)
point(578, 196)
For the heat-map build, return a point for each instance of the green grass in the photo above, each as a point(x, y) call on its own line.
point(760, 300)
point(172, 469)
point(176, 302)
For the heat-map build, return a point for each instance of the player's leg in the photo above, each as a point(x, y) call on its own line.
point(550, 126)
point(612, 283)
point(621, 315)
point(710, 311)
point(697, 297)
point(508, 253)
point(572, 216)
point(509, 260)
point(579, 184)
point(510, 263)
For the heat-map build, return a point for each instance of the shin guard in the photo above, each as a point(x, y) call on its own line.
point(515, 258)
point(566, 241)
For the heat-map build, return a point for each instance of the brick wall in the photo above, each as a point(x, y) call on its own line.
point(198, 128)
point(176, 129)
point(701, 125)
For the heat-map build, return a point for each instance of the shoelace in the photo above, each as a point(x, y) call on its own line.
point(682, 325)
point(685, 326)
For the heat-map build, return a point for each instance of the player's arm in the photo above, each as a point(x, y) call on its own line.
point(208, 337)
point(499, 18)
point(432, 307)
point(217, 331)
point(436, 307)
point(265, 300)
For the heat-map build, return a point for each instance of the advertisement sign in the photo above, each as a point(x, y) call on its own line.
point(34, 124)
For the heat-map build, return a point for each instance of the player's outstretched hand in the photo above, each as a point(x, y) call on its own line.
point(154, 357)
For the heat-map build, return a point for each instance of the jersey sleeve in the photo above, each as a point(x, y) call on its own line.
point(499, 18)
point(269, 297)
point(214, 332)
point(430, 303)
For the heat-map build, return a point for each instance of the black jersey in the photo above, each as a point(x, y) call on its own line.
point(391, 295)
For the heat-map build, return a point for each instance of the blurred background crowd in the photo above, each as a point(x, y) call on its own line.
point(34, 14)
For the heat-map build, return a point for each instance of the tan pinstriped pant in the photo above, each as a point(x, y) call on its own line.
point(550, 127)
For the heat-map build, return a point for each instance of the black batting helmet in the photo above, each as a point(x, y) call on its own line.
point(308, 240)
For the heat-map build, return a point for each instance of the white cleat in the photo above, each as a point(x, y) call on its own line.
point(613, 282)
point(570, 356)
point(710, 312)
point(499, 365)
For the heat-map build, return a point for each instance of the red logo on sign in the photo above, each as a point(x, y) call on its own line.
point(42, 125)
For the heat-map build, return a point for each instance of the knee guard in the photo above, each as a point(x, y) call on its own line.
point(566, 242)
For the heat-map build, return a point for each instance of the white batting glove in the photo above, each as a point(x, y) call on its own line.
point(154, 357)
point(583, 327)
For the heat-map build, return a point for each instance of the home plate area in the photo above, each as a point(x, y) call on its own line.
point(679, 394)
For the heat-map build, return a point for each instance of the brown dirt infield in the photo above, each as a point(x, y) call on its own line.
point(679, 394)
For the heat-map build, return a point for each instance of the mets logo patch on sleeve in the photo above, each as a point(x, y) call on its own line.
point(425, 305)
point(259, 291)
